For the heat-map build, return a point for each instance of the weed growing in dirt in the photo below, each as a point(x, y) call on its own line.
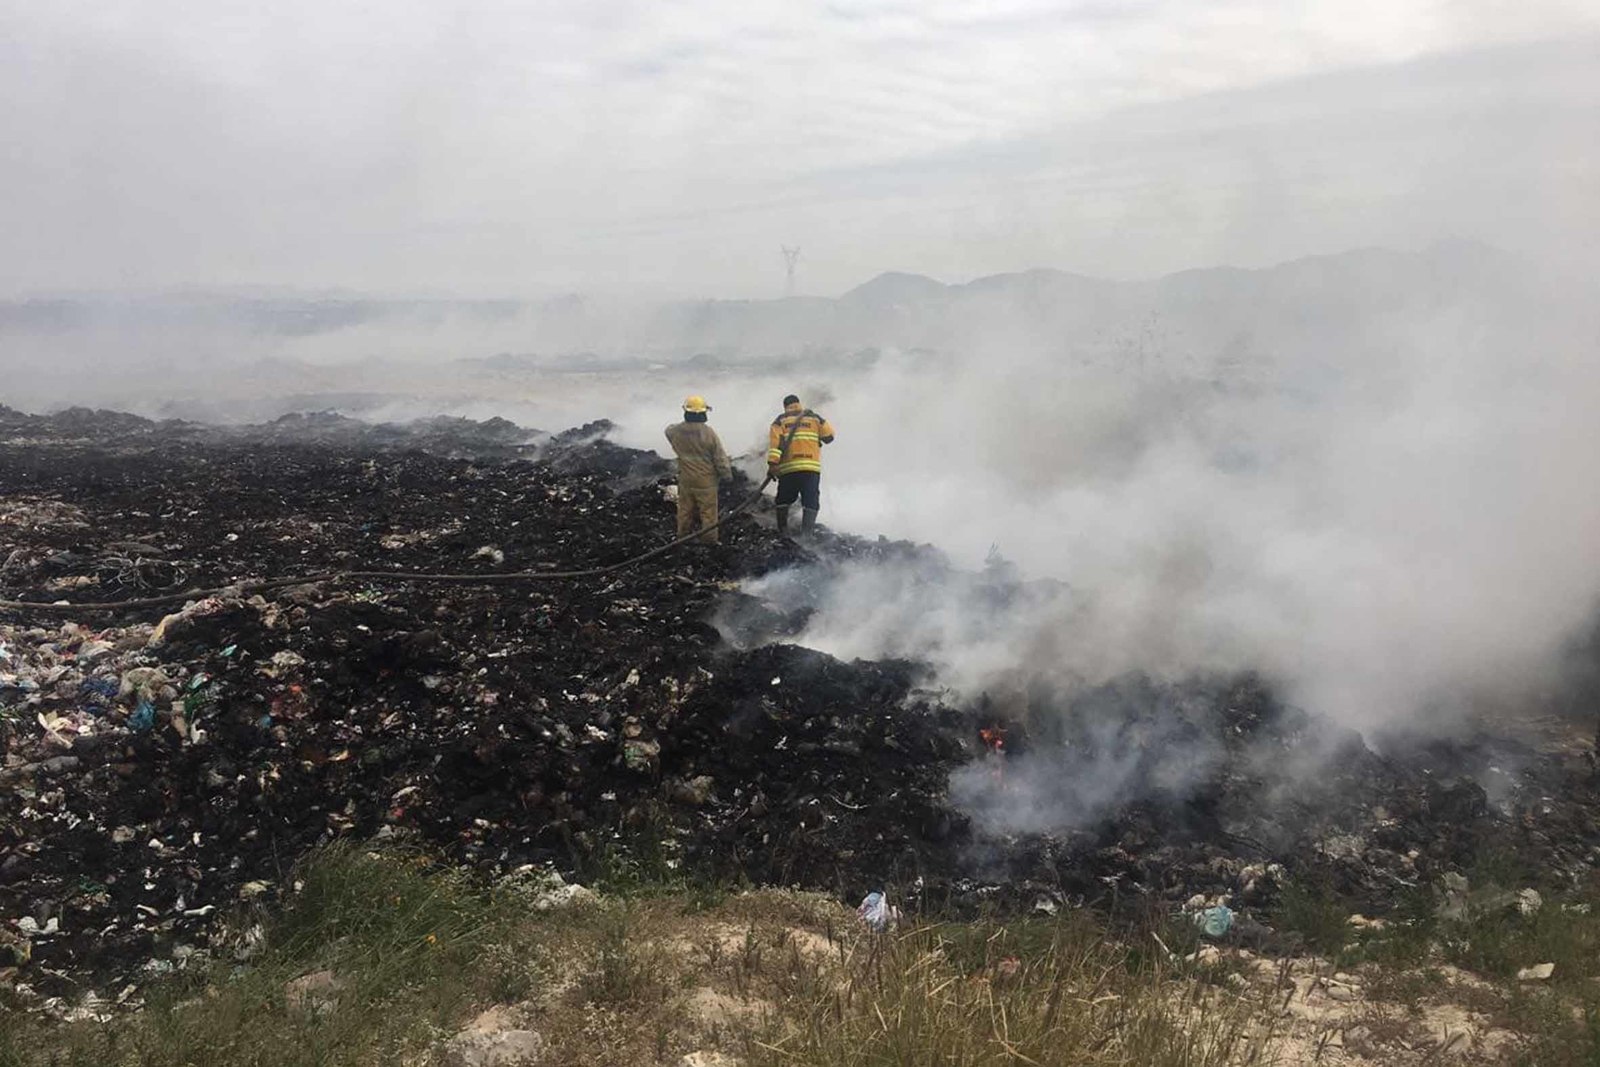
point(1406, 941)
point(1055, 992)
point(1316, 915)
point(1558, 1038)
point(624, 972)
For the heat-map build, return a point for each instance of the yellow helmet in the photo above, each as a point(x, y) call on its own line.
point(696, 404)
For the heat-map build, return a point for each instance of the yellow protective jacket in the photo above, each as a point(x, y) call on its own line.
point(811, 432)
point(701, 458)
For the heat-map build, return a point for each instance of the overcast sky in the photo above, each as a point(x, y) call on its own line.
point(515, 147)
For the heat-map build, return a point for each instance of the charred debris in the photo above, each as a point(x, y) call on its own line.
point(160, 773)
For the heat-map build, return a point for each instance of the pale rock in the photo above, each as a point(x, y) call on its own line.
point(1359, 1040)
point(1539, 972)
point(316, 993)
point(708, 1058)
point(551, 892)
point(492, 1048)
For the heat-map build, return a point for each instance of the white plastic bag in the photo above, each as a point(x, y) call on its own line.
point(877, 913)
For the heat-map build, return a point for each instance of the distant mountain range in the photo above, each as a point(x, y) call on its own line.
point(1325, 301)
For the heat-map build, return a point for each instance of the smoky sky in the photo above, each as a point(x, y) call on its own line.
point(668, 149)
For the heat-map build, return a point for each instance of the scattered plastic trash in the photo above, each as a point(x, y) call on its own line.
point(98, 693)
point(143, 717)
point(640, 754)
point(877, 912)
point(198, 680)
point(1215, 922)
point(548, 891)
point(228, 652)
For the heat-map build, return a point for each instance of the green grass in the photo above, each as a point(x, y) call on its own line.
point(418, 949)
point(1496, 941)
point(411, 946)
point(1406, 942)
point(624, 972)
point(1318, 917)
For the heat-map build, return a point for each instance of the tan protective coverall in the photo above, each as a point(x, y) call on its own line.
point(702, 462)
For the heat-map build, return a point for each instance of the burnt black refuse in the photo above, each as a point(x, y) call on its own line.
point(163, 771)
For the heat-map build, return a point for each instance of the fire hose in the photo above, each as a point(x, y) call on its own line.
point(251, 588)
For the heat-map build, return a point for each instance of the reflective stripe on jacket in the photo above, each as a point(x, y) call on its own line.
point(701, 458)
point(811, 432)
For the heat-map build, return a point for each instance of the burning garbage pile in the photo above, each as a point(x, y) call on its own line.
point(159, 770)
point(163, 770)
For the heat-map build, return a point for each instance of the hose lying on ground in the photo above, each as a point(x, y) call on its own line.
point(250, 588)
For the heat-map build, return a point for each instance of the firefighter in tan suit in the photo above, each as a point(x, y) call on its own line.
point(702, 463)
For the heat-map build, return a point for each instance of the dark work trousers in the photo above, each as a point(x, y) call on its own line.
point(807, 485)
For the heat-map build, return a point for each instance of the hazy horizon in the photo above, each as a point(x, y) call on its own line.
point(264, 291)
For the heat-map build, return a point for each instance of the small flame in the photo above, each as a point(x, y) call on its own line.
point(994, 738)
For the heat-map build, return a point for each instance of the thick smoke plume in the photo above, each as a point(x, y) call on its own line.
point(1388, 512)
point(1364, 477)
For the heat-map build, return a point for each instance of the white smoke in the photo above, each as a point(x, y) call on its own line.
point(1394, 521)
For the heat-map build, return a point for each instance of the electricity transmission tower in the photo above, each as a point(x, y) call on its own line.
point(790, 257)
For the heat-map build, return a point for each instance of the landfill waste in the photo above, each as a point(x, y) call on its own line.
point(877, 913)
point(143, 717)
point(1215, 921)
point(548, 891)
point(555, 726)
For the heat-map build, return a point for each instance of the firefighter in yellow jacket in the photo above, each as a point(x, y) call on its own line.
point(702, 463)
point(794, 458)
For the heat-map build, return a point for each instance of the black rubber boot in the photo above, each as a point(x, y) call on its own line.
point(808, 521)
point(782, 515)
